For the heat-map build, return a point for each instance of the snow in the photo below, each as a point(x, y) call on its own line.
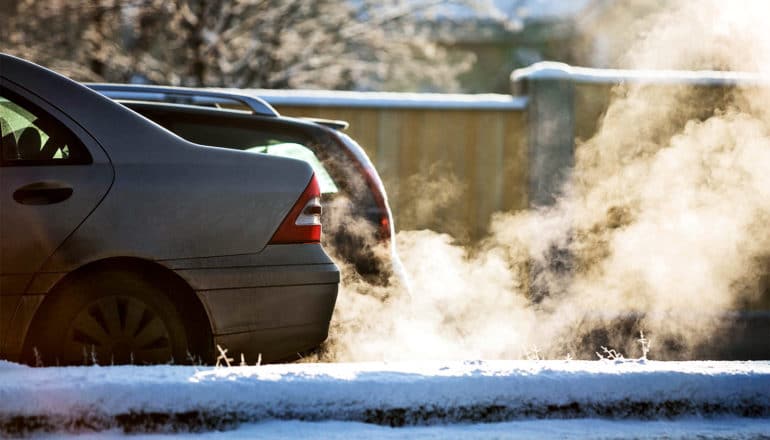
point(560, 71)
point(336, 98)
point(515, 9)
point(162, 398)
point(722, 428)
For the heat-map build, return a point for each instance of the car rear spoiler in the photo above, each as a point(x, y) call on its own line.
point(331, 123)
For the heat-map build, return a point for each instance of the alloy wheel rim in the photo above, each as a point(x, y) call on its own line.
point(117, 330)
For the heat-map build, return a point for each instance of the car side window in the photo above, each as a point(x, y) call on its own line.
point(29, 136)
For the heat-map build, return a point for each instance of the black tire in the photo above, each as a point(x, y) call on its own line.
point(107, 318)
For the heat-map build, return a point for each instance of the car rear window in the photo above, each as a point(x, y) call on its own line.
point(247, 138)
point(301, 152)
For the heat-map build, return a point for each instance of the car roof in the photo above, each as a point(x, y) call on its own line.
point(184, 95)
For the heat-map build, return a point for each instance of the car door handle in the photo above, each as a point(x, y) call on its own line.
point(42, 193)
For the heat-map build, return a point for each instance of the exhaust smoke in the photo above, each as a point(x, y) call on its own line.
point(663, 226)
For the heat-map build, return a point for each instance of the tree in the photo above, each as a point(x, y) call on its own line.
point(334, 44)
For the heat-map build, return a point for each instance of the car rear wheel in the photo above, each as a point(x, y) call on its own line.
point(110, 318)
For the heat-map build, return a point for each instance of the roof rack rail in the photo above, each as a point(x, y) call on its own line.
point(184, 95)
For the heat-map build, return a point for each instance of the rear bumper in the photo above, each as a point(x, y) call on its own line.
point(274, 304)
point(276, 321)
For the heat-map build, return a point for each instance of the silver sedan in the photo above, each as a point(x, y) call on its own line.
point(123, 243)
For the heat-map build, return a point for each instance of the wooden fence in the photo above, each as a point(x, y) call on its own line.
point(448, 161)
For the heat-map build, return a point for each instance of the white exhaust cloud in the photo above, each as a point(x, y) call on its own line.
point(665, 221)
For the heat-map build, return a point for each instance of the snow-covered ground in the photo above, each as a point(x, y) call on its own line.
point(435, 399)
point(722, 428)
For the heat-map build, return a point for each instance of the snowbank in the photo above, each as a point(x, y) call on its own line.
point(573, 429)
point(175, 397)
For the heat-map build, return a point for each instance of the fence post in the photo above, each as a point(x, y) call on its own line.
point(550, 93)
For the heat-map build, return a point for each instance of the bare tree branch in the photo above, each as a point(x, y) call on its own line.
point(245, 43)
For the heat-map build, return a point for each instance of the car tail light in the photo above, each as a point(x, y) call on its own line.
point(384, 227)
point(303, 223)
point(378, 189)
point(373, 181)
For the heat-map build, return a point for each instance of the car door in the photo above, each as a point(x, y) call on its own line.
point(52, 175)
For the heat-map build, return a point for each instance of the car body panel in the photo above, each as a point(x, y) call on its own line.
point(32, 232)
point(17, 324)
point(170, 221)
point(154, 170)
point(266, 304)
